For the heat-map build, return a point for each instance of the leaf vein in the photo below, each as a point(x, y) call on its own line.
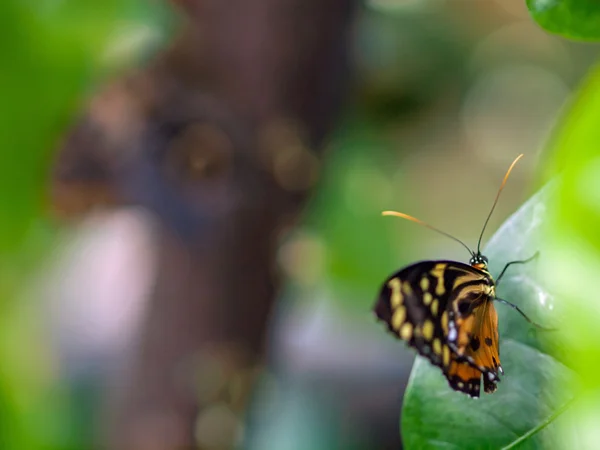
point(539, 427)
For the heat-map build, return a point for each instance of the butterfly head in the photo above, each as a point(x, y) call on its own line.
point(478, 261)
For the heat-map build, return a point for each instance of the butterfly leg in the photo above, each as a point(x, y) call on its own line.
point(515, 307)
point(515, 262)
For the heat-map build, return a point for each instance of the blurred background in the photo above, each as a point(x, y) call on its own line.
point(191, 239)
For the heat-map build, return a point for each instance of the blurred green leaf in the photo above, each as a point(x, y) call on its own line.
point(575, 19)
point(346, 212)
point(51, 53)
point(573, 264)
point(49, 56)
point(574, 140)
point(528, 399)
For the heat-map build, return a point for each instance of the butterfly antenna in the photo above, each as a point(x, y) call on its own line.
point(426, 225)
point(496, 201)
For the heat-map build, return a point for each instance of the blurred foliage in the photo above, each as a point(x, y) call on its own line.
point(399, 58)
point(550, 395)
point(575, 19)
point(572, 138)
point(408, 63)
point(574, 257)
point(51, 54)
point(574, 260)
point(347, 208)
point(402, 74)
point(536, 386)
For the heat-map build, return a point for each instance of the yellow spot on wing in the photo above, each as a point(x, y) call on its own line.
point(428, 330)
point(462, 279)
point(437, 346)
point(439, 268)
point(434, 308)
point(445, 321)
point(399, 317)
point(406, 331)
point(427, 297)
point(406, 288)
point(438, 272)
point(439, 289)
point(424, 283)
point(394, 285)
point(446, 356)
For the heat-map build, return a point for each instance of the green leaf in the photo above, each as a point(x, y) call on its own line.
point(51, 53)
point(523, 409)
point(573, 141)
point(575, 19)
point(573, 265)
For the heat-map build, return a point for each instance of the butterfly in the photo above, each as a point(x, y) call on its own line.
point(445, 310)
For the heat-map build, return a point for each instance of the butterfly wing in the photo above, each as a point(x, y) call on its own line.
point(483, 346)
point(482, 350)
point(439, 307)
point(464, 378)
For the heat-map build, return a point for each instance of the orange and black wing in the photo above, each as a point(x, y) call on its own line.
point(443, 309)
point(483, 349)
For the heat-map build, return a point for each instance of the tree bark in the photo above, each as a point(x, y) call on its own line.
point(220, 136)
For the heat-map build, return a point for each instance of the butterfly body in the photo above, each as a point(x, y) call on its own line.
point(445, 310)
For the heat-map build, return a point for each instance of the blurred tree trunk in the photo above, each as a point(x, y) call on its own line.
point(220, 136)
